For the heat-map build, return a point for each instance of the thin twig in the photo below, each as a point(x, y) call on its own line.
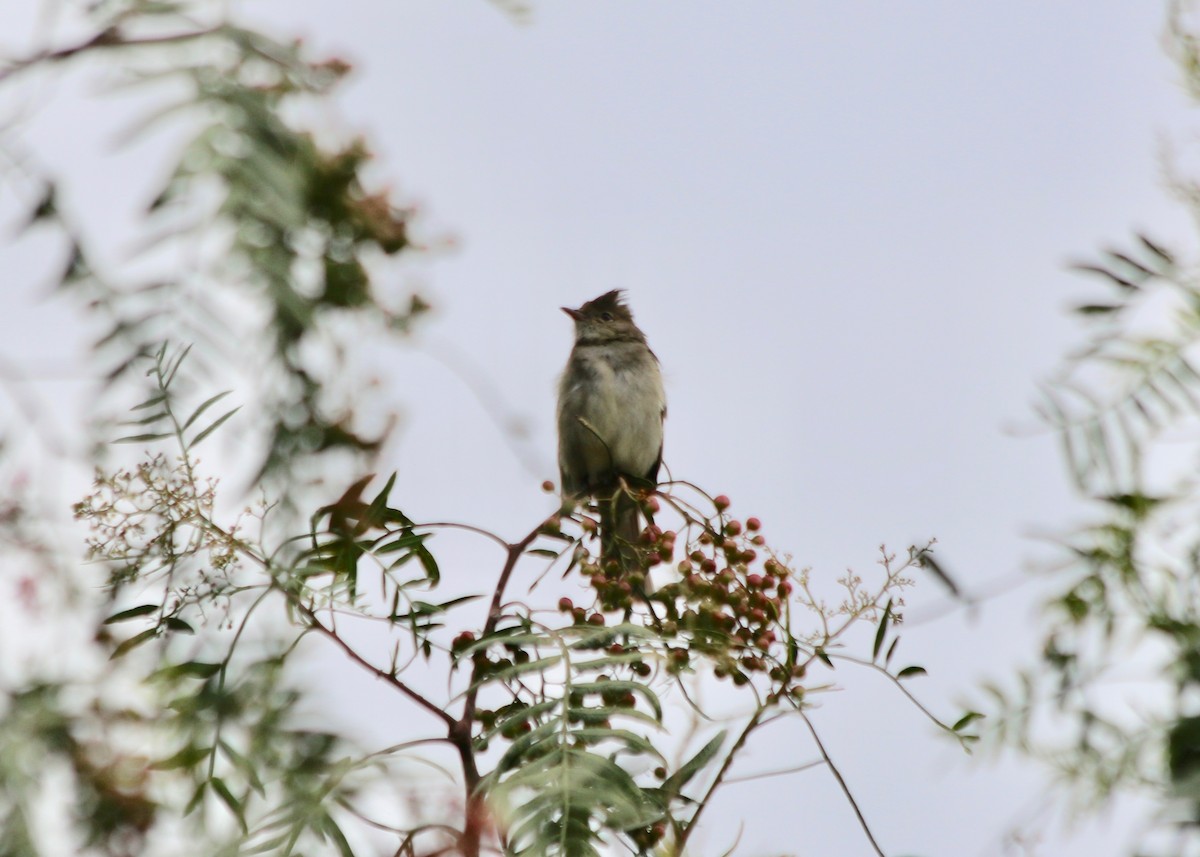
point(317, 625)
point(780, 772)
point(470, 528)
point(897, 682)
point(460, 730)
point(842, 782)
point(750, 726)
point(107, 38)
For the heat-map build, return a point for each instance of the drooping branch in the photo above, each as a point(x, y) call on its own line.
point(317, 625)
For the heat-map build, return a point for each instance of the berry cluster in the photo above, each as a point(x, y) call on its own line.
point(728, 603)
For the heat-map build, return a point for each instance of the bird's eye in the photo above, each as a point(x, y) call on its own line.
point(606, 316)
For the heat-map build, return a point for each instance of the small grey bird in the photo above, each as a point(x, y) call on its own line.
point(611, 407)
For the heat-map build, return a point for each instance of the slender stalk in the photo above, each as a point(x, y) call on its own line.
point(702, 804)
point(317, 625)
point(461, 729)
point(842, 783)
point(107, 38)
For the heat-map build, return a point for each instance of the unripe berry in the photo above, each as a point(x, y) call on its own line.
point(721, 503)
point(733, 528)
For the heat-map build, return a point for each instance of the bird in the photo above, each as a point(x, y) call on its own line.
point(611, 408)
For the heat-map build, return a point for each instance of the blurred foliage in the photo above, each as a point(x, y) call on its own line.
point(1114, 700)
point(164, 715)
point(259, 228)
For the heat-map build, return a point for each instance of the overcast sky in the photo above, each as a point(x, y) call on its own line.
point(844, 229)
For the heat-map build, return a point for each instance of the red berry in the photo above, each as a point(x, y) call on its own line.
point(566, 605)
point(753, 524)
point(721, 502)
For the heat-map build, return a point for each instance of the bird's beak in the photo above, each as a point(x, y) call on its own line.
point(573, 313)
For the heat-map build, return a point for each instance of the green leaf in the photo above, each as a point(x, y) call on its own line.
point(197, 796)
point(174, 623)
point(131, 613)
point(881, 632)
point(139, 438)
point(185, 758)
point(909, 672)
point(216, 424)
point(244, 765)
point(966, 720)
point(1098, 309)
point(46, 207)
point(375, 512)
point(132, 643)
point(150, 403)
point(329, 827)
point(694, 765)
point(204, 406)
point(190, 669)
point(232, 802)
point(887, 659)
point(169, 375)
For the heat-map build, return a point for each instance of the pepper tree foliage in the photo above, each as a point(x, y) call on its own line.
point(1118, 676)
point(186, 729)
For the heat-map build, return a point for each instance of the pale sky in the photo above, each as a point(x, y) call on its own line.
point(844, 229)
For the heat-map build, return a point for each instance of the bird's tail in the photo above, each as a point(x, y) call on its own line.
point(620, 526)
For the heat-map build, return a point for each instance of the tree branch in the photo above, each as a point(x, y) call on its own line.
point(841, 782)
point(317, 625)
point(109, 37)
